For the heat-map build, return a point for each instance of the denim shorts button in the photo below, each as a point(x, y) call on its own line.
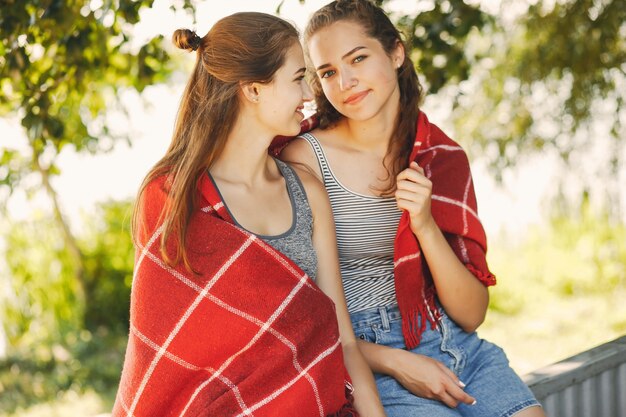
point(362, 336)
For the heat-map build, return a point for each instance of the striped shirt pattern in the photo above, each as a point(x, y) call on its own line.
point(366, 227)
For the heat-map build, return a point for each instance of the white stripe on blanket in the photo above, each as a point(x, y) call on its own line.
point(444, 147)
point(455, 203)
point(406, 258)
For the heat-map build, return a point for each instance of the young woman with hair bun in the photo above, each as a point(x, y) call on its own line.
point(237, 307)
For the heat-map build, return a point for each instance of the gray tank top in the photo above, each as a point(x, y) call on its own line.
point(297, 242)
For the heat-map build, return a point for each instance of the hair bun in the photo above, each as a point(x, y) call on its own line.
point(186, 39)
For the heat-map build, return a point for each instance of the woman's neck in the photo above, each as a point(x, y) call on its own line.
point(244, 159)
point(376, 132)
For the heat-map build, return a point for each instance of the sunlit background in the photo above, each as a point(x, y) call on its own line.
point(543, 127)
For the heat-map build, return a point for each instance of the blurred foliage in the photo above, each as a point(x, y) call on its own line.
point(565, 282)
point(56, 349)
point(437, 39)
point(41, 307)
point(62, 67)
point(545, 79)
point(576, 256)
point(62, 64)
point(108, 250)
point(82, 362)
point(41, 304)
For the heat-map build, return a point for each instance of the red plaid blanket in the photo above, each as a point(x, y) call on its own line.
point(252, 335)
point(454, 209)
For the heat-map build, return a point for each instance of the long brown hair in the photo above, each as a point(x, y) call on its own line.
point(240, 48)
point(376, 25)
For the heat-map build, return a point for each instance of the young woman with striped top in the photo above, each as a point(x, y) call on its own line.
point(411, 247)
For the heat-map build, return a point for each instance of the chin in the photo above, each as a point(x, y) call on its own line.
point(360, 113)
point(359, 116)
point(296, 127)
point(290, 131)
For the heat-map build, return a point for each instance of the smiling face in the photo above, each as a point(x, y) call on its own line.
point(358, 78)
point(282, 100)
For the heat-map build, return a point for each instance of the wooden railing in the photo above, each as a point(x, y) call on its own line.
point(589, 384)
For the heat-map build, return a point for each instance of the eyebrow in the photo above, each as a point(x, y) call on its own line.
point(343, 57)
point(299, 72)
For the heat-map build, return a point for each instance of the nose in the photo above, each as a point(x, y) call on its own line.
point(346, 80)
point(307, 94)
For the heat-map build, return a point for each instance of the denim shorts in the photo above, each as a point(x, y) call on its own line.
point(481, 365)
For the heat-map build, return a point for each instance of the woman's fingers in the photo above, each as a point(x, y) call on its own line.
point(411, 195)
point(459, 396)
point(428, 378)
point(414, 175)
point(455, 379)
point(412, 207)
point(455, 387)
point(416, 166)
point(448, 400)
point(413, 186)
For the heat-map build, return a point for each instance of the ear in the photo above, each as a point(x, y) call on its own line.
point(250, 91)
point(397, 55)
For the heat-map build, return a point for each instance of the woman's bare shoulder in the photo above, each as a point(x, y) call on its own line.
point(297, 150)
point(313, 186)
point(299, 154)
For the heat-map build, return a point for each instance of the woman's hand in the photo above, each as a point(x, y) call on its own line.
point(413, 194)
point(462, 296)
point(429, 378)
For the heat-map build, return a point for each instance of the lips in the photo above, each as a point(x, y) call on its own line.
point(299, 111)
point(356, 98)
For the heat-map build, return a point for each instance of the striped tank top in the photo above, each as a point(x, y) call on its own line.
point(366, 227)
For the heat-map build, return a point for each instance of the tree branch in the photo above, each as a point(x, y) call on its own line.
point(68, 238)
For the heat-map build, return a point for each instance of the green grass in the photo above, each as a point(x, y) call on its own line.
point(560, 291)
point(546, 333)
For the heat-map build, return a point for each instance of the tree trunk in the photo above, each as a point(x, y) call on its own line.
point(68, 237)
